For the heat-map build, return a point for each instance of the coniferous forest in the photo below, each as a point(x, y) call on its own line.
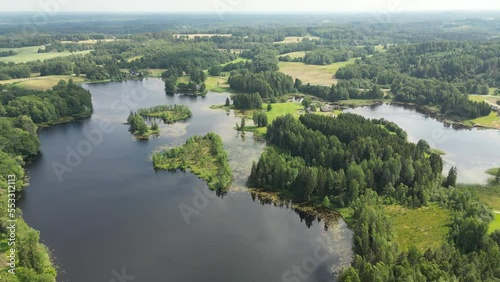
point(295, 76)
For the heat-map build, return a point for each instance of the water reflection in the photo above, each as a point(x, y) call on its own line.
point(114, 210)
point(473, 151)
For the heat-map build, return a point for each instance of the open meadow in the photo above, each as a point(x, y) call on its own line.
point(26, 54)
point(314, 74)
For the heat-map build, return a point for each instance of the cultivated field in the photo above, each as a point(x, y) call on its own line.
point(314, 74)
point(92, 41)
point(294, 55)
point(26, 54)
point(193, 36)
point(296, 39)
point(42, 82)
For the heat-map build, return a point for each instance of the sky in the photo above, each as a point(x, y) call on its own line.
point(283, 6)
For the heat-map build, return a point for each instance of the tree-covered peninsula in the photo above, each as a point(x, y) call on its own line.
point(365, 170)
point(204, 156)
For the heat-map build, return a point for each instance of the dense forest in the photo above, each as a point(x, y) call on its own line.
point(353, 162)
point(20, 112)
point(65, 100)
point(345, 162)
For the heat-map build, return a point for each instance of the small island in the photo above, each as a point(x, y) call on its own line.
point(139, 128)
point(168, 113)
point(204, 156)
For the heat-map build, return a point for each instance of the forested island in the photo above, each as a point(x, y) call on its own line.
point(204, 156)
point(167, 113)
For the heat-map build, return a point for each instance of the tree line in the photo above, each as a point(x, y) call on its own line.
point(349, 161)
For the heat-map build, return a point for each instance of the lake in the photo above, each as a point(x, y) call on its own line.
point(472, 151)
point(107, 215)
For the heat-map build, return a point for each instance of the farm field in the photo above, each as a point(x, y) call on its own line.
point(294, 55)
point(192, 36)
point(296, 39)
point(93, 41)
point(314, 74)
point(26, 54)
point(42, 82)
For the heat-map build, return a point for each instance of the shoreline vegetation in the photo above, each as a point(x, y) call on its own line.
point(22, 112)
point(140, 129)
point(203, 156)
point(425, 219)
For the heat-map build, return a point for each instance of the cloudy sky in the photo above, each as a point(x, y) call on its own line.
point(246, 5)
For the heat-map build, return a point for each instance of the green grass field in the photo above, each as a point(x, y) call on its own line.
point(42, 82)
point(278, 109)
point(294, 55)
point(295, 39)
point(93, 41)
point(222, 85)
point(26, 54)
point(490, 195)
point(424, 227)
point(314, 74)
point(239, 59)
point(493, 119)
point(192, 36)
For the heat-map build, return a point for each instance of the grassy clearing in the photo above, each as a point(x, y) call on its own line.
point(490, 195)
point(314, 74)
point(380, 48)
point(237, 60)
point(424, 227)
point(296, 39)
point(484, 98)
point(155, 72)
point(194, 35)
point(493, 90)
point(490, 121)
point(278, 109)
point(360, 102)
point(26, 54)
point(42, 82)
point(93, 41)
point(294, 55)
point(217, 84)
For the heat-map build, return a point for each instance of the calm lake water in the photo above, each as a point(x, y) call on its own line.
point(472, 151)
point(110, 213)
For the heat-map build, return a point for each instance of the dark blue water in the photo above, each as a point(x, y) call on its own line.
point(107, 215)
